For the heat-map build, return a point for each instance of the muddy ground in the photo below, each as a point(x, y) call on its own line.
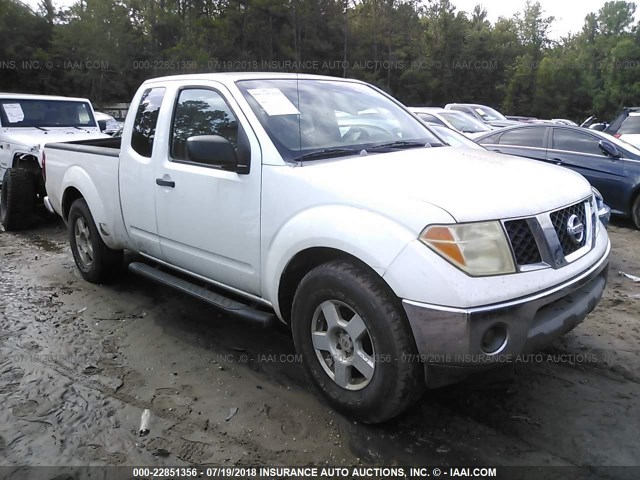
point(80, 362)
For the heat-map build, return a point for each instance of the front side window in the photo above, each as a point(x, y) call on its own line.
point(144, 127)
point(45, 113)
point(310, 119)
point(525, 137)
point(201, 112)
point(564, 139)
point(491, 139)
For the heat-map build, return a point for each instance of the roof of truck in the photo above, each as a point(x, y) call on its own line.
point(230, 77)
point(29, 96)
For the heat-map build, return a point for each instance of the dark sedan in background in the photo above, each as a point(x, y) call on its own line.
point(612, 166)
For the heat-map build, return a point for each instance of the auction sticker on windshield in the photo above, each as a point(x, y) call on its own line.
point(273, 101)
point(14, 112)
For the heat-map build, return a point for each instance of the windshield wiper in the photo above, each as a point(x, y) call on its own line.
point(327, 153)
point(401, 144)
point(43, 129)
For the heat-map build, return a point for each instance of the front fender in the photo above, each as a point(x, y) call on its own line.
point(374, 239)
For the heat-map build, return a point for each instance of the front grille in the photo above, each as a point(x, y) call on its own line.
point(523, 243)
point(560, 220)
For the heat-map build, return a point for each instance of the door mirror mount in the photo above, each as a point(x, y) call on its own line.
point(609, 149)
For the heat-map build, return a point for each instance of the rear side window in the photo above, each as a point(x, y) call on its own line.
point(571, 141)
point(144, 127)
point(201, 111)
point(631, 125)
point(526, 137)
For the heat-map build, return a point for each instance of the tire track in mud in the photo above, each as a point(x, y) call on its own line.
point(58, 373)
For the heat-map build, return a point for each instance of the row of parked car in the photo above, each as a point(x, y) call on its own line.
point(604, 154)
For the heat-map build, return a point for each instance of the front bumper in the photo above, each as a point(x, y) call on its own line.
point(453, 342)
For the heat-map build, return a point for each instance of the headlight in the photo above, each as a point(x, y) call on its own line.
point(598, 197)
point(600, 208)
point(477, 248)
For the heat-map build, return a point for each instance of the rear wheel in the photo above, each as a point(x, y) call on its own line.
point(18, 199)
point(97, 262)
point(355, 341)
point(635, 211)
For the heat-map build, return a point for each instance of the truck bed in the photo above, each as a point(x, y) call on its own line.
point(96, 162)
point(97, 146)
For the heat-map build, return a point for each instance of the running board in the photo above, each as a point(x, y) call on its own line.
point(227, 304)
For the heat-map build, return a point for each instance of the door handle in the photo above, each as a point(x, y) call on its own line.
point(558, 161)
point(165, 183)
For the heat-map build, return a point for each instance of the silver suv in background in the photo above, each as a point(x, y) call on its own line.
point(458, 121)
point(483, 113)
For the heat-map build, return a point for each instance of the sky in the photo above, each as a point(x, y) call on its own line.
point(569, 14)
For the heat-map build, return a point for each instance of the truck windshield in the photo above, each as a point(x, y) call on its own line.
point(45, 113)
point(309, 119)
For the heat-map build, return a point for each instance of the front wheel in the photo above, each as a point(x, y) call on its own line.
point(355, 341)
point(97, 262)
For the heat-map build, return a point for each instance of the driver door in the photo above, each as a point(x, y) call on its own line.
point(581, 152)
point(208, 218)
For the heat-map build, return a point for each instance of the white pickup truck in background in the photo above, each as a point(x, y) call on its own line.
point(398, 261)
point(27, 122)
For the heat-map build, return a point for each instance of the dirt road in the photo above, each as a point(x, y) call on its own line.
point(79, 363)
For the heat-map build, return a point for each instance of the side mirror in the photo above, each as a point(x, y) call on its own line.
point(598, 127)
point(609, 149)
point(102, 124)
point(212, 150)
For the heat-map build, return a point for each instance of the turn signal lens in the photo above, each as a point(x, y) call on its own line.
point(479, 249)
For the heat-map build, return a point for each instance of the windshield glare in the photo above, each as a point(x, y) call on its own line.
point(306, 116)
point(631, 125)
point(45, 113)
point(464, 123)
point(489, 114)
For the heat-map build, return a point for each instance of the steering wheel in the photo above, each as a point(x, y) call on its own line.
point(362, 133)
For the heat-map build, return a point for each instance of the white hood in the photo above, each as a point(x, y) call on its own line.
point(471, 185)
point(31, 137)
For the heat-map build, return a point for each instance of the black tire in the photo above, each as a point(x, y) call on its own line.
point(635, 211)
point(397, 381)
point(97, 262)
point(17, 204)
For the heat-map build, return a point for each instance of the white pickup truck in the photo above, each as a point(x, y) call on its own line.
point(27, 122)
point(398, 261)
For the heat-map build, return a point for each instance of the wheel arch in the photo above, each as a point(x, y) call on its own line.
point(26, 161)
point(70, 195)
point(301, 264)
point(320, 234)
